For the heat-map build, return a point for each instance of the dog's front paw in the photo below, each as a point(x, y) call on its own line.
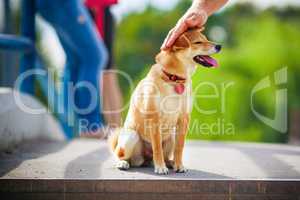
point(161, 170)
point(180, 169)
point(123, 165)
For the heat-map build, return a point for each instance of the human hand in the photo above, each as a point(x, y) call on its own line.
point(193, 18)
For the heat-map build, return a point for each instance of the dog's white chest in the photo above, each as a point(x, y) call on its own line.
point(172, 103)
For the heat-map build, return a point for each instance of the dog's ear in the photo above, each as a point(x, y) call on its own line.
point(181, 43)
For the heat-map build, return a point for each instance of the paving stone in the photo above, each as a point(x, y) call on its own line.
point(84, 169)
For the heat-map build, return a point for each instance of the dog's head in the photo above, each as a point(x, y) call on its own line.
point(190, 48)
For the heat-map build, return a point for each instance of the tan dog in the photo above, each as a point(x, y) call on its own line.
point(158, 117)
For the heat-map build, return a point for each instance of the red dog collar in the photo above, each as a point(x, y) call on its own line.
point(173, 77)
point(179, 87)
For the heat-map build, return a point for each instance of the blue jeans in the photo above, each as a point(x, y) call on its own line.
point(85, 56)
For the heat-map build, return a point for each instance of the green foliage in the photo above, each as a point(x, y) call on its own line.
point(258, 43)
point(139, 37)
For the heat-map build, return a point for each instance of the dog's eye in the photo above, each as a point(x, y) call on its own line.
point(198, 42)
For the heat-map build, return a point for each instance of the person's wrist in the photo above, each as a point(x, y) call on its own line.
point(199, 6)
point(199, 13)
point(203, 15)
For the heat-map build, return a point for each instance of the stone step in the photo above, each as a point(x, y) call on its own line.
point(148, 189)
point(84, 169)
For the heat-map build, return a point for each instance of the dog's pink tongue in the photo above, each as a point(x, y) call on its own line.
point(210, 60)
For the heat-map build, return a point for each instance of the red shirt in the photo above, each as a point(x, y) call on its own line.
point(98, 7)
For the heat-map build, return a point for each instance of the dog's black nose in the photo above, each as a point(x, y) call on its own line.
point(218, 47)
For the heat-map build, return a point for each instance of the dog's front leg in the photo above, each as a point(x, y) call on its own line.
point(158, 156)
point(181, 132)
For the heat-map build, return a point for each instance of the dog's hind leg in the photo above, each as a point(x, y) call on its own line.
point(137, 158)
point(127, 141)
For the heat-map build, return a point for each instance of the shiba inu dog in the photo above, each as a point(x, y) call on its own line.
point(158, 117)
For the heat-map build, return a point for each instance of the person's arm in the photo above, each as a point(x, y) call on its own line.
point(195, 16)
point(208, 6)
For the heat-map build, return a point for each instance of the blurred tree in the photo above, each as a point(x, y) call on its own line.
point(257, 43)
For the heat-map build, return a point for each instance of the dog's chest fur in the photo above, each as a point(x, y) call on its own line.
point(171, 106)
point(159, 97)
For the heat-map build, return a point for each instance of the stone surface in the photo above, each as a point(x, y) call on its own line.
point(84, 169)
point(91, 159)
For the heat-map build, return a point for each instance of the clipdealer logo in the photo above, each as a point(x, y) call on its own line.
point(279, 122)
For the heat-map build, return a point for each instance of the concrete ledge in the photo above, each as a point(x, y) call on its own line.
point(84, 169)
point(148, 189)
